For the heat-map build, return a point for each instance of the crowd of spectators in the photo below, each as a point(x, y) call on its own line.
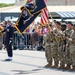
point(32, 37)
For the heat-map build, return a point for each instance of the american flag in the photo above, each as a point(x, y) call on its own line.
point(28, 1)
point(44, 15)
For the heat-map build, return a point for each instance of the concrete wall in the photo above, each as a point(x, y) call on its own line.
point(61, 2)
point(20, 2)
point(51, 2)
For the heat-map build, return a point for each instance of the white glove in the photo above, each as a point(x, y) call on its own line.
point(10, 42)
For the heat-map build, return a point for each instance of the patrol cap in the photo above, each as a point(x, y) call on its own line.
point(58, 22)
point(8, 21)
point(63, 25)
point(69, 23)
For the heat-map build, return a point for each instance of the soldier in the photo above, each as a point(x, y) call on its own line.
point(63, 42)
point(48, 48)
point(72, 48)
point(69, 31)
point(55, 38)
point(1, 35)
point(9, 38)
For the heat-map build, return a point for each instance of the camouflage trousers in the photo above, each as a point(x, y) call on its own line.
point(68, 56)
point(62, 59)
point(55, 54)
point(48, 53)
point(61, 56)
point(72, 52)
point(65, 57)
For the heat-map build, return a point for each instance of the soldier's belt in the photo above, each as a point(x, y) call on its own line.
point(49, 43)
point(54, 42)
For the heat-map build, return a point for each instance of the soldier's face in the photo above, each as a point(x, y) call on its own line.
point(8, 23)
point(63, 28)
point(58, 26)
point(74, 28)
point(69, 26)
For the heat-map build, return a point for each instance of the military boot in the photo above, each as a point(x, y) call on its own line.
point(68, 67)
point(61, 67)
point(48, 65)
point(73, 68)
point(55, 66)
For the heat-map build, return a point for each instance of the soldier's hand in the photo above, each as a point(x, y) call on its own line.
point(22, 8)
point(0, 31)
point(10, 42)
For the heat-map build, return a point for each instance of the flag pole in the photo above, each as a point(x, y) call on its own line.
point(49, 15)
point(26, 1)
point(53, 23)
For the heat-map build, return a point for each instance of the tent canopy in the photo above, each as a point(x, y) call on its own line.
point(63, 15)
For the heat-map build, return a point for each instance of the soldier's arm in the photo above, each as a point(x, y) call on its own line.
point(4, 30)
point(11, 33)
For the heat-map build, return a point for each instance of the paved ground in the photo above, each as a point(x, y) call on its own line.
point(27, 62)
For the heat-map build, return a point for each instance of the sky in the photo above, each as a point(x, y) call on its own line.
point(7, 1)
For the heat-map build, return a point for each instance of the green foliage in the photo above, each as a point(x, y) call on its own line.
point(5, 5)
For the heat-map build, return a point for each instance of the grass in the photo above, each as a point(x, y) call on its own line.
point(5, 5)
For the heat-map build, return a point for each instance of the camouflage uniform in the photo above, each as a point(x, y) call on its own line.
point(1, 37)
point(62, 51)
point(55, 48)
point(68, 57)
point(72, 49)
point(48, 48)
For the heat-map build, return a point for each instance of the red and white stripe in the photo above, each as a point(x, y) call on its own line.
point(45, 1)
point(44, 15)
point(28, 1)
